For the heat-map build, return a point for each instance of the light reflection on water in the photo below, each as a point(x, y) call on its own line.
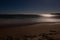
point(28, 20)
point(45, 19)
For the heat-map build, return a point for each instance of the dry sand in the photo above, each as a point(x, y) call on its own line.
point(34, 29)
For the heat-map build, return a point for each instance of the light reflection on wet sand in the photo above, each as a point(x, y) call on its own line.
point(45, 19)
point(30, 21)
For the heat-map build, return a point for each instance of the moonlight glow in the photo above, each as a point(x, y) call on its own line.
point(47, 15)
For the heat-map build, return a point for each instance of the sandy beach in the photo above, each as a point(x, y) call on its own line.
point(34, 29)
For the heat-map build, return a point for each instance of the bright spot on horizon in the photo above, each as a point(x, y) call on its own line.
point(47, 15)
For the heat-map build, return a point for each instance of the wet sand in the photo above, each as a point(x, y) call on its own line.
point(34, 29)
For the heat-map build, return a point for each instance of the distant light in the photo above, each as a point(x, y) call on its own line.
point(47, 15)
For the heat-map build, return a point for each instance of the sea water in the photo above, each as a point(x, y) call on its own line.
point(28, 20)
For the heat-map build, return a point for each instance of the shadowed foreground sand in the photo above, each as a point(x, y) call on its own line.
point(32, 30)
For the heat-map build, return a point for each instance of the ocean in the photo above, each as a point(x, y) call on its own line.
point(25, 19)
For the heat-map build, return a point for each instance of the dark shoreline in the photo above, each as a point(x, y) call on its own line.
point(27, 24)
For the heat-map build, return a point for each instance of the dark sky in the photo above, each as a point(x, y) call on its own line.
point(29, 5)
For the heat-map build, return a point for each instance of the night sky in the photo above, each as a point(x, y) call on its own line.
point(19, 6)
